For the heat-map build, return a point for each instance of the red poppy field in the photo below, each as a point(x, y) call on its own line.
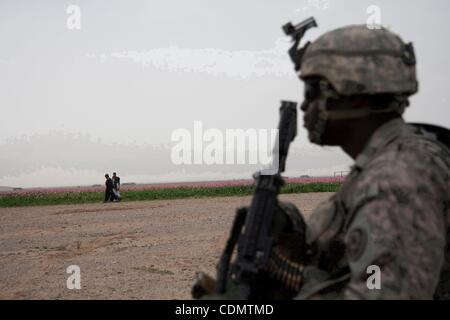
point(166, 191)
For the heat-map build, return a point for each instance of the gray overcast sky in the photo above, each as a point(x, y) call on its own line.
point(137, 70)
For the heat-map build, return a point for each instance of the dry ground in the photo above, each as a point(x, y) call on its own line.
point(128, 250)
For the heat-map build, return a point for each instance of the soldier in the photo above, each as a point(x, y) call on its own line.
point(392, 212)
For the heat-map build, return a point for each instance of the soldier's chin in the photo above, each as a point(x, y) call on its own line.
point(322, 140)
point(313, 138)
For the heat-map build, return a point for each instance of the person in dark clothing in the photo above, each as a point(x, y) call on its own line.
point(109, 195)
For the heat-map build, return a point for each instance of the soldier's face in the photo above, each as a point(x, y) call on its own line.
point(315, 114)
point(310, 104)
point(310, 114)
point(321, 129)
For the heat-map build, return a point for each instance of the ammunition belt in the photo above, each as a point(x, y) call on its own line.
point(288, 272)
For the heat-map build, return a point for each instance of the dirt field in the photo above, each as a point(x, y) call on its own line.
point(128, 250)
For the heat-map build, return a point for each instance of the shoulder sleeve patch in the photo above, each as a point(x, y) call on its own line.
point(355, 243)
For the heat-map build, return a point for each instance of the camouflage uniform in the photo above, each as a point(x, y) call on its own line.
point(393, 209)
point(393, 212)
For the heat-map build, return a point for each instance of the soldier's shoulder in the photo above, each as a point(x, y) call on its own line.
point(411, 163)
point(411, 154)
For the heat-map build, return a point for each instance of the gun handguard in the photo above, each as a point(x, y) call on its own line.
point(253, 236)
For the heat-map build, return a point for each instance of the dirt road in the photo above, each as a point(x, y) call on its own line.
point(128, 250)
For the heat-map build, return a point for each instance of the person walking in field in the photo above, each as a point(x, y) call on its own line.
point(116, 186)
point(109, 195)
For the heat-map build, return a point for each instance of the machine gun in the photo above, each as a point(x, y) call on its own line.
point(251, 228)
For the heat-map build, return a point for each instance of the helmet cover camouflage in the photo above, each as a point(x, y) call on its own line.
point(359, 60)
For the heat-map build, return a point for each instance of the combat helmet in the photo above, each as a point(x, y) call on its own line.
point(357, 60)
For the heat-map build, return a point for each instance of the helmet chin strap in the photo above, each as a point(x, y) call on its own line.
point(319, 126)
point(316, 134)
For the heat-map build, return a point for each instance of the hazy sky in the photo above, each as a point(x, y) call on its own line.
point(110, 94)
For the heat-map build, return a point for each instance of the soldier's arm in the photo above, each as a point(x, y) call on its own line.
point(403, 229)
point(402, 236)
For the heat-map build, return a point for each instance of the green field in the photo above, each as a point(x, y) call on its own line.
point(39, 199)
